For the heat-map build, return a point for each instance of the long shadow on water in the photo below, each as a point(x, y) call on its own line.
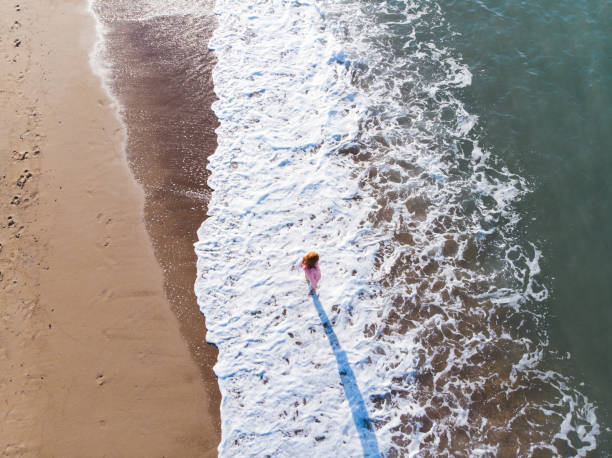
point(369, 444)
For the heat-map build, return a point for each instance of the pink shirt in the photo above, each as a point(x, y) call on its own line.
point(312, 275)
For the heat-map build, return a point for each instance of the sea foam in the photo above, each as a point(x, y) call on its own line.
point(342, 131)
point(286, 107)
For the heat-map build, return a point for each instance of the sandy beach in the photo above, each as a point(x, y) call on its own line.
point(93, 361)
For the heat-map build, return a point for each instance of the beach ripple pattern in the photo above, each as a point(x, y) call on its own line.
point(342, 131)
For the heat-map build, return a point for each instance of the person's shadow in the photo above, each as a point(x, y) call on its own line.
point(364, 426)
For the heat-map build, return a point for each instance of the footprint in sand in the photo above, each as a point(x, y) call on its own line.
point(23, 178)
point(16, 200)
point(103, 219)
point(20, 156)
point(17, 42)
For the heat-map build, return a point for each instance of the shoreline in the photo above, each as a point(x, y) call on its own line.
point(93, 358)
point(171, 134)
point(171, 129)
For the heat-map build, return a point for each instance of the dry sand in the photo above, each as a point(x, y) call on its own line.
point(92, 362)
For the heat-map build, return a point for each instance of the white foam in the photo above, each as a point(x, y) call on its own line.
point(278, 192)
point(101, 67)
point(329, 140)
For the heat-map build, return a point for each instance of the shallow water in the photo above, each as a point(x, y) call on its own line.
point(350, 128)
point(543, 90)
point(448, 161)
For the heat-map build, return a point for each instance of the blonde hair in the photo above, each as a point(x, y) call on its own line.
point(310, 259)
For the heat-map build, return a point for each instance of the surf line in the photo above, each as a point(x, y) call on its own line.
point(362, 421)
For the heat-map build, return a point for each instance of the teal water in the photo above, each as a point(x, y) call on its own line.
point(542, 88)
point(451, 359)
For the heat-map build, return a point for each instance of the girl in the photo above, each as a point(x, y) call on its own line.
point(310, 265)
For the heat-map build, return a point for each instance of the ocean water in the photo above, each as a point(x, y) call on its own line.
point(448, 162)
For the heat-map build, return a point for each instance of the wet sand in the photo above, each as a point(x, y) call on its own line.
point(167, 110)
point(93, 362)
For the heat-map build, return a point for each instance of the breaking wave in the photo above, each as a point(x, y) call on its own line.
point(342, 130)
